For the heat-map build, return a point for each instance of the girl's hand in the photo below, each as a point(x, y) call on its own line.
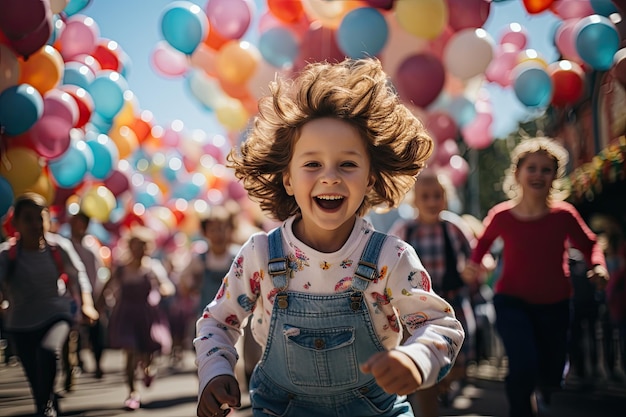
point(90, 313)
point(470, 272)
point(220, 394)
point(394, 371)
point(599, 276)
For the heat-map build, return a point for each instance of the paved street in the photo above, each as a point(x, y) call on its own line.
point(173, 394)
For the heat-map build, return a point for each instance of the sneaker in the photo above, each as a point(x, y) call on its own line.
point(132, 402)
point(50, 410)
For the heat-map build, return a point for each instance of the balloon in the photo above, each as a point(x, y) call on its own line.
point(108, 54)
point(117, 182)
point(362, 32)
point(468, 13)
point(33, 41)
point(105, 155)
point(9, 67)
point(57, 6)
point(184, 25)
point(457, 169)
point(446, 150)
point(6, 196)
point(214, 40)
point(477, 134)
point(232, 115)
point(462, 110)
point(167, 61)
point(532, 85)
point(98, 202)
point(288, 11)
point(236, 61)
point(567, 9)
point(58, 103)
point(142, 125)
point(568, 79)
point(500, 68)
point(43, 69)
point(441, 125)
point(565, 40)
point(515, 34)
point(230, 18)
point(318, 44)
point(80, 36)
point(83, 101)
point(537, 6)
point(279, 47)
point(107, 92)
point(20, 167)
point(422, 18)
point(603, 7)
point(75, 6)
point(50, 136)
point(20, 107)
point(468, 53)
point(597, 40)
point(76, 73)
point(125, 140)
point(328, 13)
point(21, 17)
point(203, 58)
point(70, 169)
point(420, 67)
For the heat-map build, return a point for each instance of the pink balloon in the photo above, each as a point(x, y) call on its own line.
point(21, 17)
point(466, 14)
point(446, 150)
point(229, 18)
point(478, 134)
point(500, 68)
point(441, 125)
point(60, 104)
point(117, 182)
point(80, 36)
point(50, 136)
point(318, 44)
point(171, 138)
point(515, 34)
point(565, 40)
point(168, 61)
point(458, 170)
point(412, 75)
point(572, 9)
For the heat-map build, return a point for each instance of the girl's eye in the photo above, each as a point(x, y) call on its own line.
point(348, 164)
point(312, 164)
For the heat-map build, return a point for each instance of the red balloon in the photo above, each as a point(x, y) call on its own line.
point(468, 13)
point(537, 6)
point(287, 11)
point(107, 55)
point(318, 44)
point(420, 79)
point(568, 79)
point(83, 100)
point(117, 182)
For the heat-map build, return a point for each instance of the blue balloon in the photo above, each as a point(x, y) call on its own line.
point(462, 110)
point(603, 7)
point(20, 107)
point(107, 91)
point(6, 196)
point(279, 47)
point(533, 86)
point(184, 25)
point(363, 32)
point(105, 154)
point(75, 6)
point(70, 169)
point(597, 41)
point(79, 74)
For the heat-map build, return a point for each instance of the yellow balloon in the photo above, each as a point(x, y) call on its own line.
point(533, 56)
point(127, 115)
point(44, 187)
point(237, 61)
point(98, 202)
point(423, 18)
point(329, 12)
point(125, 140)
point(232, 114)
point(21, 167)
point(43, 69)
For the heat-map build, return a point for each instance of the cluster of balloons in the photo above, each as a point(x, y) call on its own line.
point(72, 129)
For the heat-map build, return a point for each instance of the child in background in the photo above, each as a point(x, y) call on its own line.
point(327, 295)
point(443, 248)
point(532, 295)
point(136, 324)
point(33, 275)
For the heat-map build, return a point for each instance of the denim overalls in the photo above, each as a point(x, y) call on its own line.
point(310, 366)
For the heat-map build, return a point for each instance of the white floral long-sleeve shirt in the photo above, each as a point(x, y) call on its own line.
point(401, 295)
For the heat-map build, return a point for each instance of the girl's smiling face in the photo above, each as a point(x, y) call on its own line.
point(329, 176)
point(535, 174)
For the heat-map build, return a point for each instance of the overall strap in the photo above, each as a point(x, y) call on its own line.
point(277, 266)
point(58, 260)
point(366, 270)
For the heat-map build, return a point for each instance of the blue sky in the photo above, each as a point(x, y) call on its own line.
point(135, 25)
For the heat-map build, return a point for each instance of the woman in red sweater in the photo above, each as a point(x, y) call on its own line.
point(533, 292)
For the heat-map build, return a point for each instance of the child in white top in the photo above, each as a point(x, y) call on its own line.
point(319, 156)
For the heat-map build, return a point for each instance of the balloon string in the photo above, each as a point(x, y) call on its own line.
point(3, 154)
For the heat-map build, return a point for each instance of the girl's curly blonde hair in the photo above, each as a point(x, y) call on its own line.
point(552, 149)
point(355, 91)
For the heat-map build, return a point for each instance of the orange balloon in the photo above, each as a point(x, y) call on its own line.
point(125, 140)
point(214, 40)
point(237, 61)
point(142, 125)
point(43, 69)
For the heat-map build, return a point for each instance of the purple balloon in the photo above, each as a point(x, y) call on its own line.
point(21, 17)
